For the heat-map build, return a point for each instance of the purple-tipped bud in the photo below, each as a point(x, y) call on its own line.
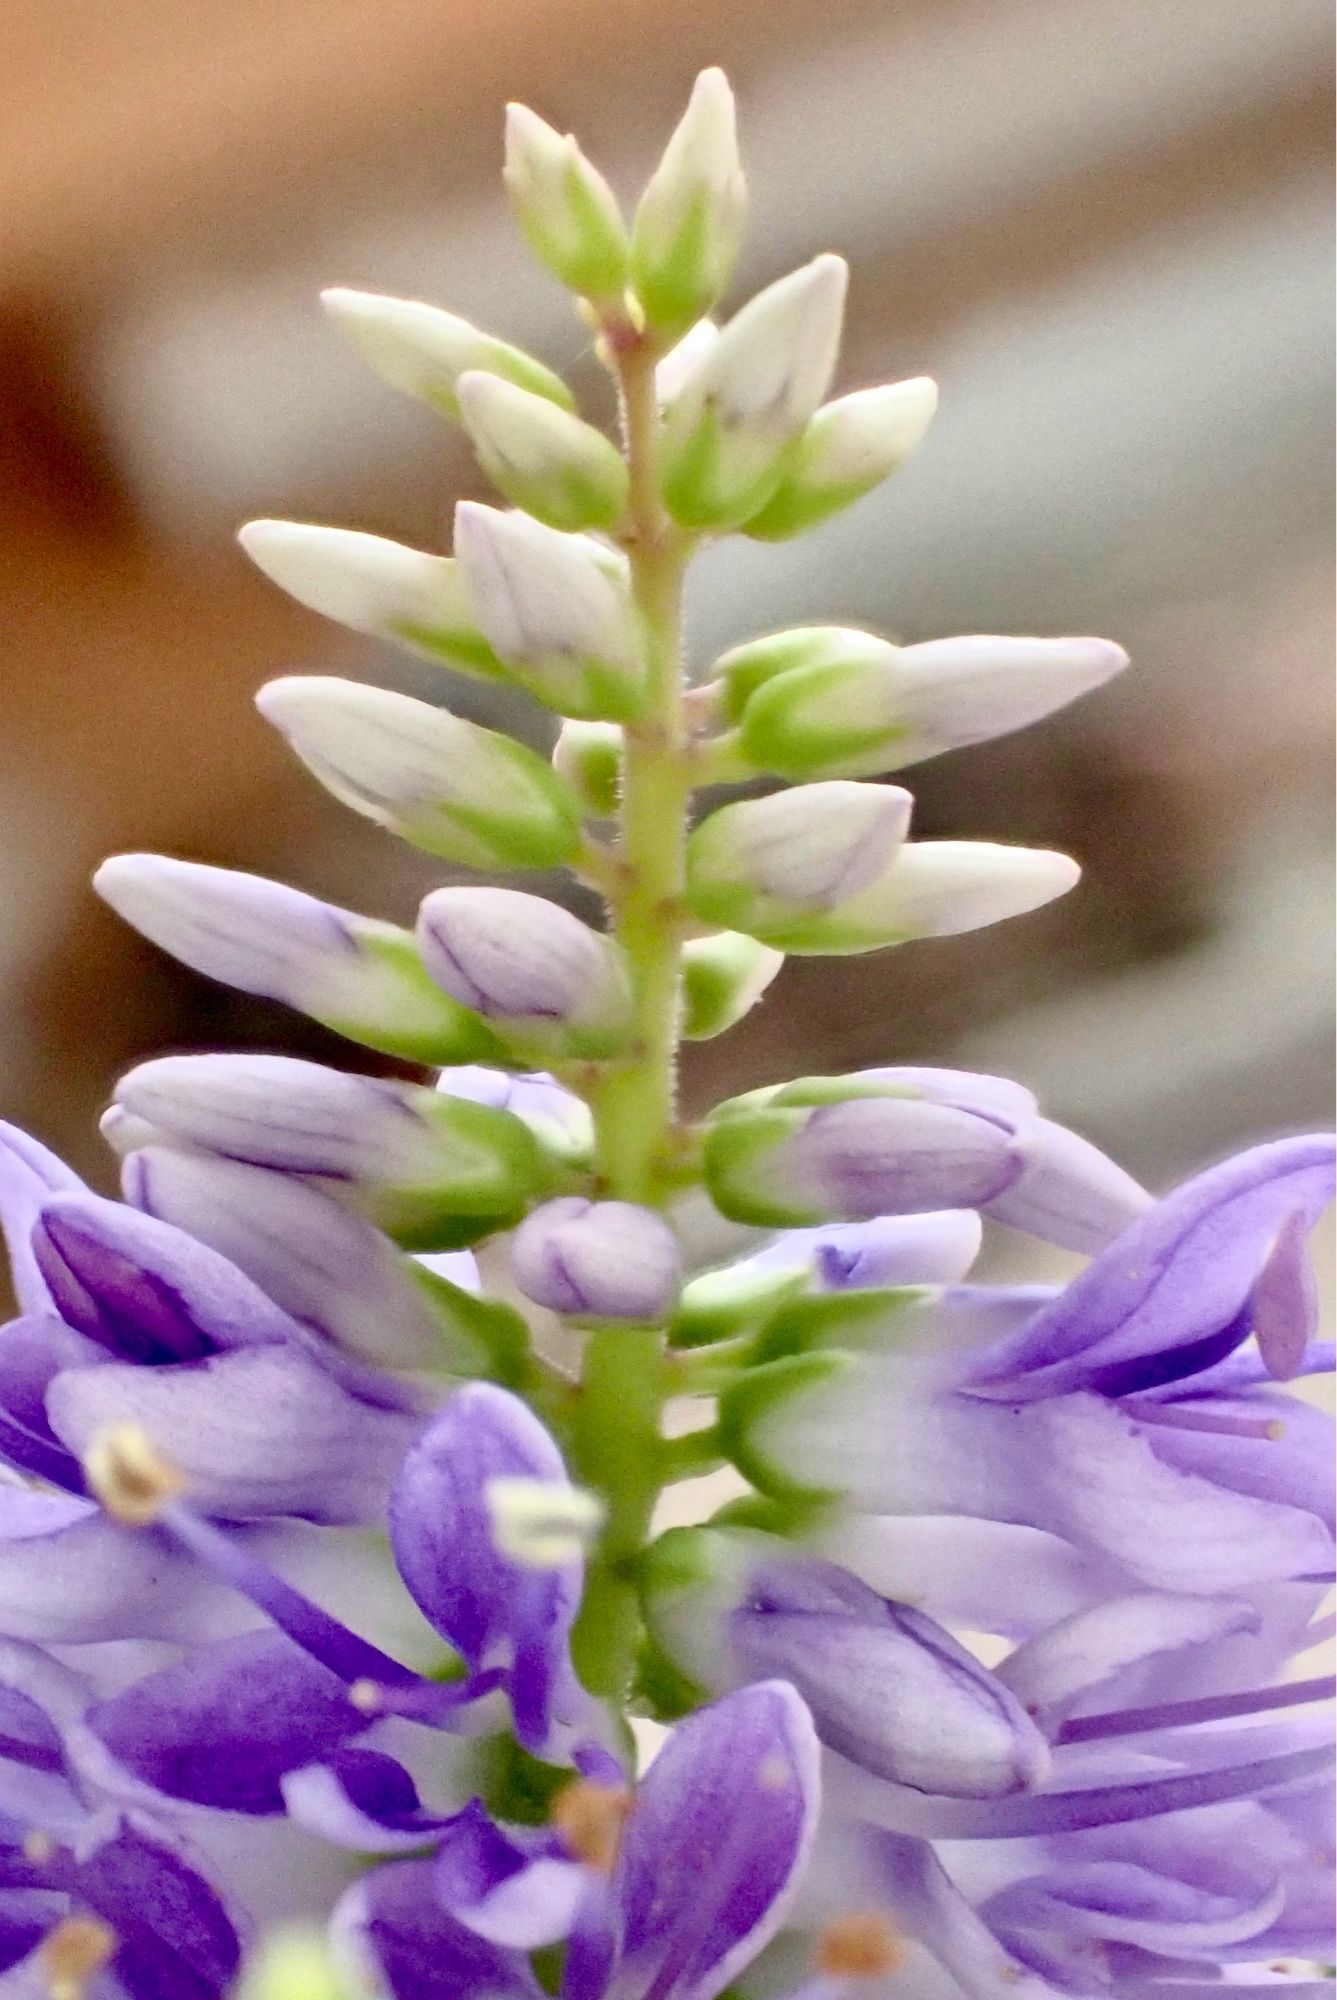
point(597, 1260)
point(559, 1120)
point(781, 1164)
point(417, 1161)
point(557, 610)
point(354, 974)
point(566, 210)
point(529, 965)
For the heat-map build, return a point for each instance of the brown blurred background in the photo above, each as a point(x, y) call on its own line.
point(1104, 225)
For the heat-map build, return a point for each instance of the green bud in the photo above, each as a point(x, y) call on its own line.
point(850, 447)
point(588, 756)
point(868, 1317)
point(292, 1964)
point(423, 351)
point(736, 415)
point(837, 720)
point(737, 1151)
point(480, 1336)
point(547, 461)
point(467, 794)
point(723, 978)
point(722, 1304)
point(690, 220)
point(753, 1400)
point(566, 210)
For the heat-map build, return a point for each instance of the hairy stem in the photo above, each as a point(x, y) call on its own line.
point(619, 1446)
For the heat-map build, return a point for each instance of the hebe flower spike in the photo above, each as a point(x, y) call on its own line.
point(273, 1386)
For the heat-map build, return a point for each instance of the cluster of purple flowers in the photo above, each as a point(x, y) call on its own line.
point(1106, 1476)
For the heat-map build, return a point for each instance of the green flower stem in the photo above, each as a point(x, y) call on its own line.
point(619, 1446)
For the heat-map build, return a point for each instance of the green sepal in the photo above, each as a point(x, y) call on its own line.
point(514, 1785)
point(588, 756)
point(696, 482)
point(434, 1030)
point(799, 504)
point(752, 1397)
point(481, 1336)
point(822, 721)
point(792, 1519)
point(720, 1306)
point(853, 1319)
point(732, 1148)
point(662, 1689)
point(668, 283)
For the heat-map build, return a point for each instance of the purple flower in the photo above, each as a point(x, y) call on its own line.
point(1128, 1416)
point(129, 1319)
point(736, 1783)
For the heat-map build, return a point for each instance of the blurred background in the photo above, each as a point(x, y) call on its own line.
point(1104, 225)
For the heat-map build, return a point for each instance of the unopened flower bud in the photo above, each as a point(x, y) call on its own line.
point(728, 430)
point(881, 706)
point(739, 673)
point(423, 351)
point(354, 974)
point(468, 794)
point(690, 220)
point(850, 447)
point(530, 966)
point(723, 977)
point(559, 1120)
point(683, 360)
point(767, 865)
point(566, 210)
point(597, 1260)
point(422, 1164)
point(781, 1164)
point(547, 461)
point(376, 586)
point(556, 609)
point(588, 755)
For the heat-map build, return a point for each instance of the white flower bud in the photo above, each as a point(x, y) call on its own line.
point(760, 865)
point(566, 210)
point(376, 586)
point(936, 888)
point(465, 793)
point(850, 447)
point(867, 706)
point(544, 459)
point(690, 220)
point(729, 427)
point(423, 351)
point(556, 609)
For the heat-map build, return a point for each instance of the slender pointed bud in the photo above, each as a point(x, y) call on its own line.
point(690, 220)
point(764, 865)
point(422, 1164)
point(937, 888)
point(588, 755)
point(542, 458)
point(556, 609)
point(850, 447)
point(880, 707)
point(424, 351)
point(465, 793)
point(724, 976)
point(597, 1260)
point(542, 1523)
point(782, 1164)
point(729, 430)
point(376, 586)
point(566, 210)
point(544, 977)
point(354, 974)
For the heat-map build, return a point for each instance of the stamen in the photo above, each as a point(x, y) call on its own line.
point(130, 1476)
point(590, 1818)
point(862, 1945)
point(1179, 1417)
point(1207, 1708)
point(38, 1847)
point(542, 1523)
point(73, 1954)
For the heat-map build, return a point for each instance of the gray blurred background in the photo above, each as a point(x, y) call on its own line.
point(1103, 225)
